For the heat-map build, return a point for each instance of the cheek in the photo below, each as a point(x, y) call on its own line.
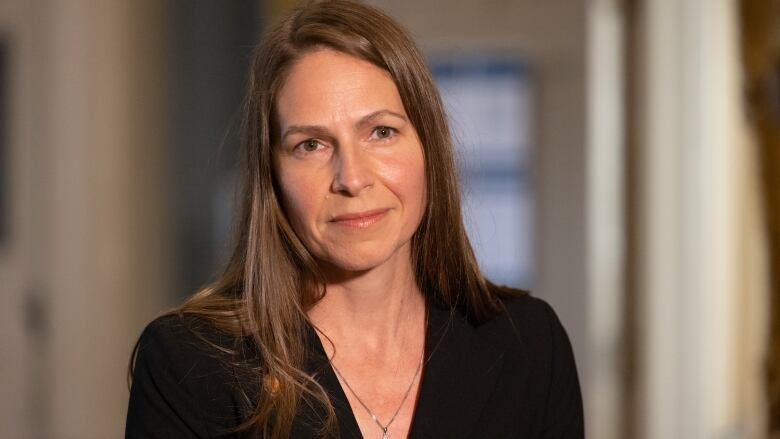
point(408, 177)
point(421, 191)
point(299, 199)
point(415, 186)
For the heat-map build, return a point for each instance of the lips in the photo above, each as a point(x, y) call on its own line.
point(360, 220)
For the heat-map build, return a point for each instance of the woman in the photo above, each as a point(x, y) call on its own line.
point(352, 305)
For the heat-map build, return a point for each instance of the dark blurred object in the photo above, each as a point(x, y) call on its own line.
point(36, 320)
point(773, 89)
point(761, 52)
point(4, 177)
point(210, 49)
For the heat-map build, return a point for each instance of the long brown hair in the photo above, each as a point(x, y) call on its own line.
point(271, 279)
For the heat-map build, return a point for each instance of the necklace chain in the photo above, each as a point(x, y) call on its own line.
point(373, 416)
point(384, 427)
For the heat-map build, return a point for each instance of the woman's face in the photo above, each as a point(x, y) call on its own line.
point(349, 162)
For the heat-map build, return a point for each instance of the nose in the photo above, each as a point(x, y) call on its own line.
point(353, 172)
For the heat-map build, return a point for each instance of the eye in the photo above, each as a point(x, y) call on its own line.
point(309, 145)
point(384, 132)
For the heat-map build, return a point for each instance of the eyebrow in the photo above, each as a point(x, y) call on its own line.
point(320, 131)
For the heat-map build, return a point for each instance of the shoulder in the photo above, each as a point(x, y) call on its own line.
point(173, 339)
point(187, 348)
point(528, 315)
point(530, 324)
point(186, 378)
point(537, 347)
point(522, 314)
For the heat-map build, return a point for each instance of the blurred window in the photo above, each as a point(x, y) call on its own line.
point(488, 102)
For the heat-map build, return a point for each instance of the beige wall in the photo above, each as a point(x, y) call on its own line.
point(89, 239)
point(21, 256)
point(107, 173)
point(700, 253)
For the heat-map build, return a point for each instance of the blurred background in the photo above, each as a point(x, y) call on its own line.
point(620, 158)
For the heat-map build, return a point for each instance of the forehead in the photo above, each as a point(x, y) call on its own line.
point(328, 86)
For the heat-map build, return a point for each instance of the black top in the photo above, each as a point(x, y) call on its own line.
point(512, 377)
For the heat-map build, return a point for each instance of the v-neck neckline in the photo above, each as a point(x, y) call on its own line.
point(459, 374)
point(337, 393)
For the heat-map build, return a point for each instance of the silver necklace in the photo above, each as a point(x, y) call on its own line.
point(373, 416)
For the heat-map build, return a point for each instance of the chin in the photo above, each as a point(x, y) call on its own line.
point(357, 261)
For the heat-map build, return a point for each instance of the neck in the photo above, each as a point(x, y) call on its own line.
point(375, 309)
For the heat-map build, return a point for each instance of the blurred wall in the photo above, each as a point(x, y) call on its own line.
point(87, 262)
point(698, 250)
point(760, 20)
point(20, 247)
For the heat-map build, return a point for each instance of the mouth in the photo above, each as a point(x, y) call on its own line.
point(359, 220)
